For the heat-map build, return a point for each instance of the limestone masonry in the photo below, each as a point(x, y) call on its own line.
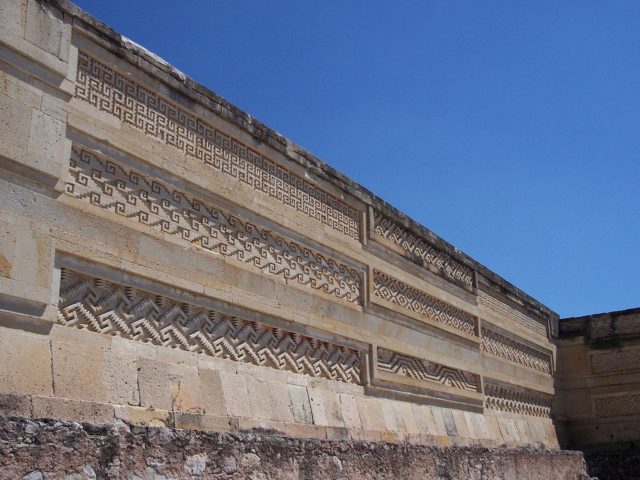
point(167, 262)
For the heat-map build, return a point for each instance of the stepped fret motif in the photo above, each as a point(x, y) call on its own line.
point(417, 248)
point(420, 369)
point(412, 299)
point(618, 405)
point(102, 306)
point(615, 361)
point(125, 192)
point(141, 108)
point(519, 401)
point(534, 324)
point(504, 347)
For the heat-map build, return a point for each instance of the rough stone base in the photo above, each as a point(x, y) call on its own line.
point(53, 449)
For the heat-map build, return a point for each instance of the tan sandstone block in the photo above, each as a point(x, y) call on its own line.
point(151, 417)
point(438, 419)
point(389, 416)
point(280, 401)
point(301, 406)
point(371, 414)
point(493, 428)
point(169, 386)
point(79, 371)
point(424, 420)
point(461, 423)
point(258, 391)
point(46, 28)
point(25, 361)
point(68, 409)
point(225, 394)
point(350, 412)
point(206, 423)
point(405, 418)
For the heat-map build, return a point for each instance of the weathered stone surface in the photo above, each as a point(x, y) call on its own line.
point(48, 449)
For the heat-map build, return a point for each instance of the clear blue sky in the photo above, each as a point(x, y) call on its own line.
point(511, 129)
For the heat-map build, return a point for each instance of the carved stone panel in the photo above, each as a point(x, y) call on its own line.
point(517, 400)
point(102, 306)
point(145, 110)
point(420, 251)
point(509, 349)
point(420, 369)
point(125, 192)
point(618, 405)
point(421, 303)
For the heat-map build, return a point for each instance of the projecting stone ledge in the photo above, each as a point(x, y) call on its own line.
point(51, 449)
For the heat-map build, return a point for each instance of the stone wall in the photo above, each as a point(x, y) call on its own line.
point(167, 260)
point(598, 378)
point(35, 450)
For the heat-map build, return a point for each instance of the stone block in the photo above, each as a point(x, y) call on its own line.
point(460, 421)
point(389, 416)
point(68, 409)
point(206, 423)
point(79, 371)
point(281, 403)
point(169, 386)
point(46, 28)
point(301, 406)
point(26, 363)
point(424, 420)
point(225, 394)
point(150, 417)
point(260, 400)
point(350, 413)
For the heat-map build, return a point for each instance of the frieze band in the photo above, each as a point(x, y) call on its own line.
point(135, 105)
point(417, 248)
point(414, 300)
point(125, 192)
point(420, 369)
point(102, 306)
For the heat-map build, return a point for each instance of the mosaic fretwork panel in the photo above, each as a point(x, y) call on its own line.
point(417, 248)
point(504, 347)
point(615, 361)
point(504, 309)
point(414, 300)
point(420, 369)
point(160, 207)
point(515, 400)
point(102, 306)
point(618, 405)
point(131, 103)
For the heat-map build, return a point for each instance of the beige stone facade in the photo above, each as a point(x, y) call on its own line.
point(167, 260)
point(598, 379)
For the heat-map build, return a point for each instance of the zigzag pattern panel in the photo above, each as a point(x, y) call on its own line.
point(618, 405)
point(511, 312)
point(417, 248)
point(515, 400)
point(420, 369)
point(141, 108)
point(125, 192)
point(414, 300)
point(615, 361)
point(504, 347)
point(102, 306)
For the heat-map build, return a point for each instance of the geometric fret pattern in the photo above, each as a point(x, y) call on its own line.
point(517, 400)
point(618, 405)
point(504, 347)
point(157, 117)
point(106, 307)
point(407, 297)
point(421, 252)
point(420, 369)
point(160, 207)
point(615, 361)
point(534, 324)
